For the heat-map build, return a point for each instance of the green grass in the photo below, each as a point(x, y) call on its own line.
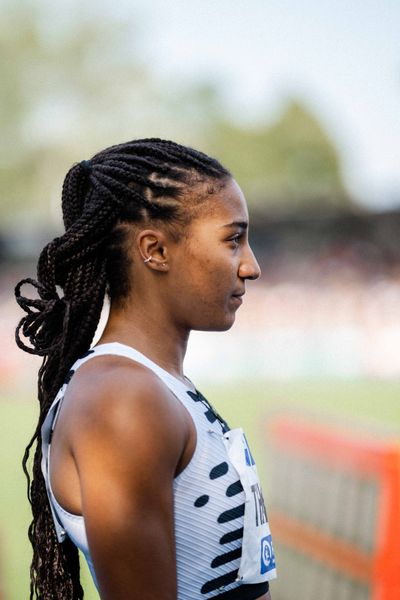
point(374, 405)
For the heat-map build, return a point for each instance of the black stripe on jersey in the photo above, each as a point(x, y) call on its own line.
point(87, 354)
point(210, 414)
point(231, 536)
point(69, 376)
point(232, 513)
point(234, 488)
point(219, 470)
point(244, 592)
point(222, 559)
point(218, 582)
point(201, 501)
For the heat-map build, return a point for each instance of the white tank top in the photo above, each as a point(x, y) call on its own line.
point(209, 501)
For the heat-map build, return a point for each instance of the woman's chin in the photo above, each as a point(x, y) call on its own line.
point(217, 325)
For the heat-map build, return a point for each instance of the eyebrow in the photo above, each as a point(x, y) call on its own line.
point(241, 224)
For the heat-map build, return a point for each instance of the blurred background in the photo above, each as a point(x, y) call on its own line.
point(300, 100)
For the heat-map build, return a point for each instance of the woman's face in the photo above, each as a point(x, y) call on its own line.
point(209, 268)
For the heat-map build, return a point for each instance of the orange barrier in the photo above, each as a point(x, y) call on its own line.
point(327, 454)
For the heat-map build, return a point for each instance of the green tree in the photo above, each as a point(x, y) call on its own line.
point(70, 86)
point(289, 165)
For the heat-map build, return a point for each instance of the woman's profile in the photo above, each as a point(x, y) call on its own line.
point(132, 465)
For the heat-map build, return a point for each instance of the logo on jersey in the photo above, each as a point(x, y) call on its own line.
point(267, 555)
point(247, 453)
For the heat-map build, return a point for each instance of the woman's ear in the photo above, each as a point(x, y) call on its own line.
point(153, 249)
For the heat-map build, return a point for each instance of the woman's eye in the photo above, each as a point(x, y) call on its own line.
point(236, 239)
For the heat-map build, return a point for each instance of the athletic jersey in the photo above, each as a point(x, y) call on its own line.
point(209, 499)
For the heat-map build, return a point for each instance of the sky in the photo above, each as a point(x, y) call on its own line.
point(342, 59)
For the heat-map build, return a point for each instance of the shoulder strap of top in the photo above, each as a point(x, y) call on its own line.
point(46, 434)
point(115, 348)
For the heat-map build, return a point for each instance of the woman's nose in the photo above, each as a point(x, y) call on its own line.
point(249, 267)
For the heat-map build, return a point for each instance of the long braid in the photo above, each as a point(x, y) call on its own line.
point(126, 183)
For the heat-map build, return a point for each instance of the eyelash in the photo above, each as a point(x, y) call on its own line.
point(236, 238)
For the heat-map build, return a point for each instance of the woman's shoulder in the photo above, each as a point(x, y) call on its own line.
point(113, 393)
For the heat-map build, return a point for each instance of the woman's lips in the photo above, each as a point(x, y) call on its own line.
point(237, 299)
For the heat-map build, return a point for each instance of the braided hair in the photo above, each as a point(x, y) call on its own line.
point(141, 180)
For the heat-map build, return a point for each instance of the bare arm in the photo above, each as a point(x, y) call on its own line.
point(127, 451)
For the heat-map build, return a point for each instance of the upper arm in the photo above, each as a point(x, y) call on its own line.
point(127, 448)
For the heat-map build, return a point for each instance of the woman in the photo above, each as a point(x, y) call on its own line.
point(146, 478)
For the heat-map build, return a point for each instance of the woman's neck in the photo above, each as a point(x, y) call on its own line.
point(152, 334)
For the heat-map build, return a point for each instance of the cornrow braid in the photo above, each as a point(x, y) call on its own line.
point(125, 183)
